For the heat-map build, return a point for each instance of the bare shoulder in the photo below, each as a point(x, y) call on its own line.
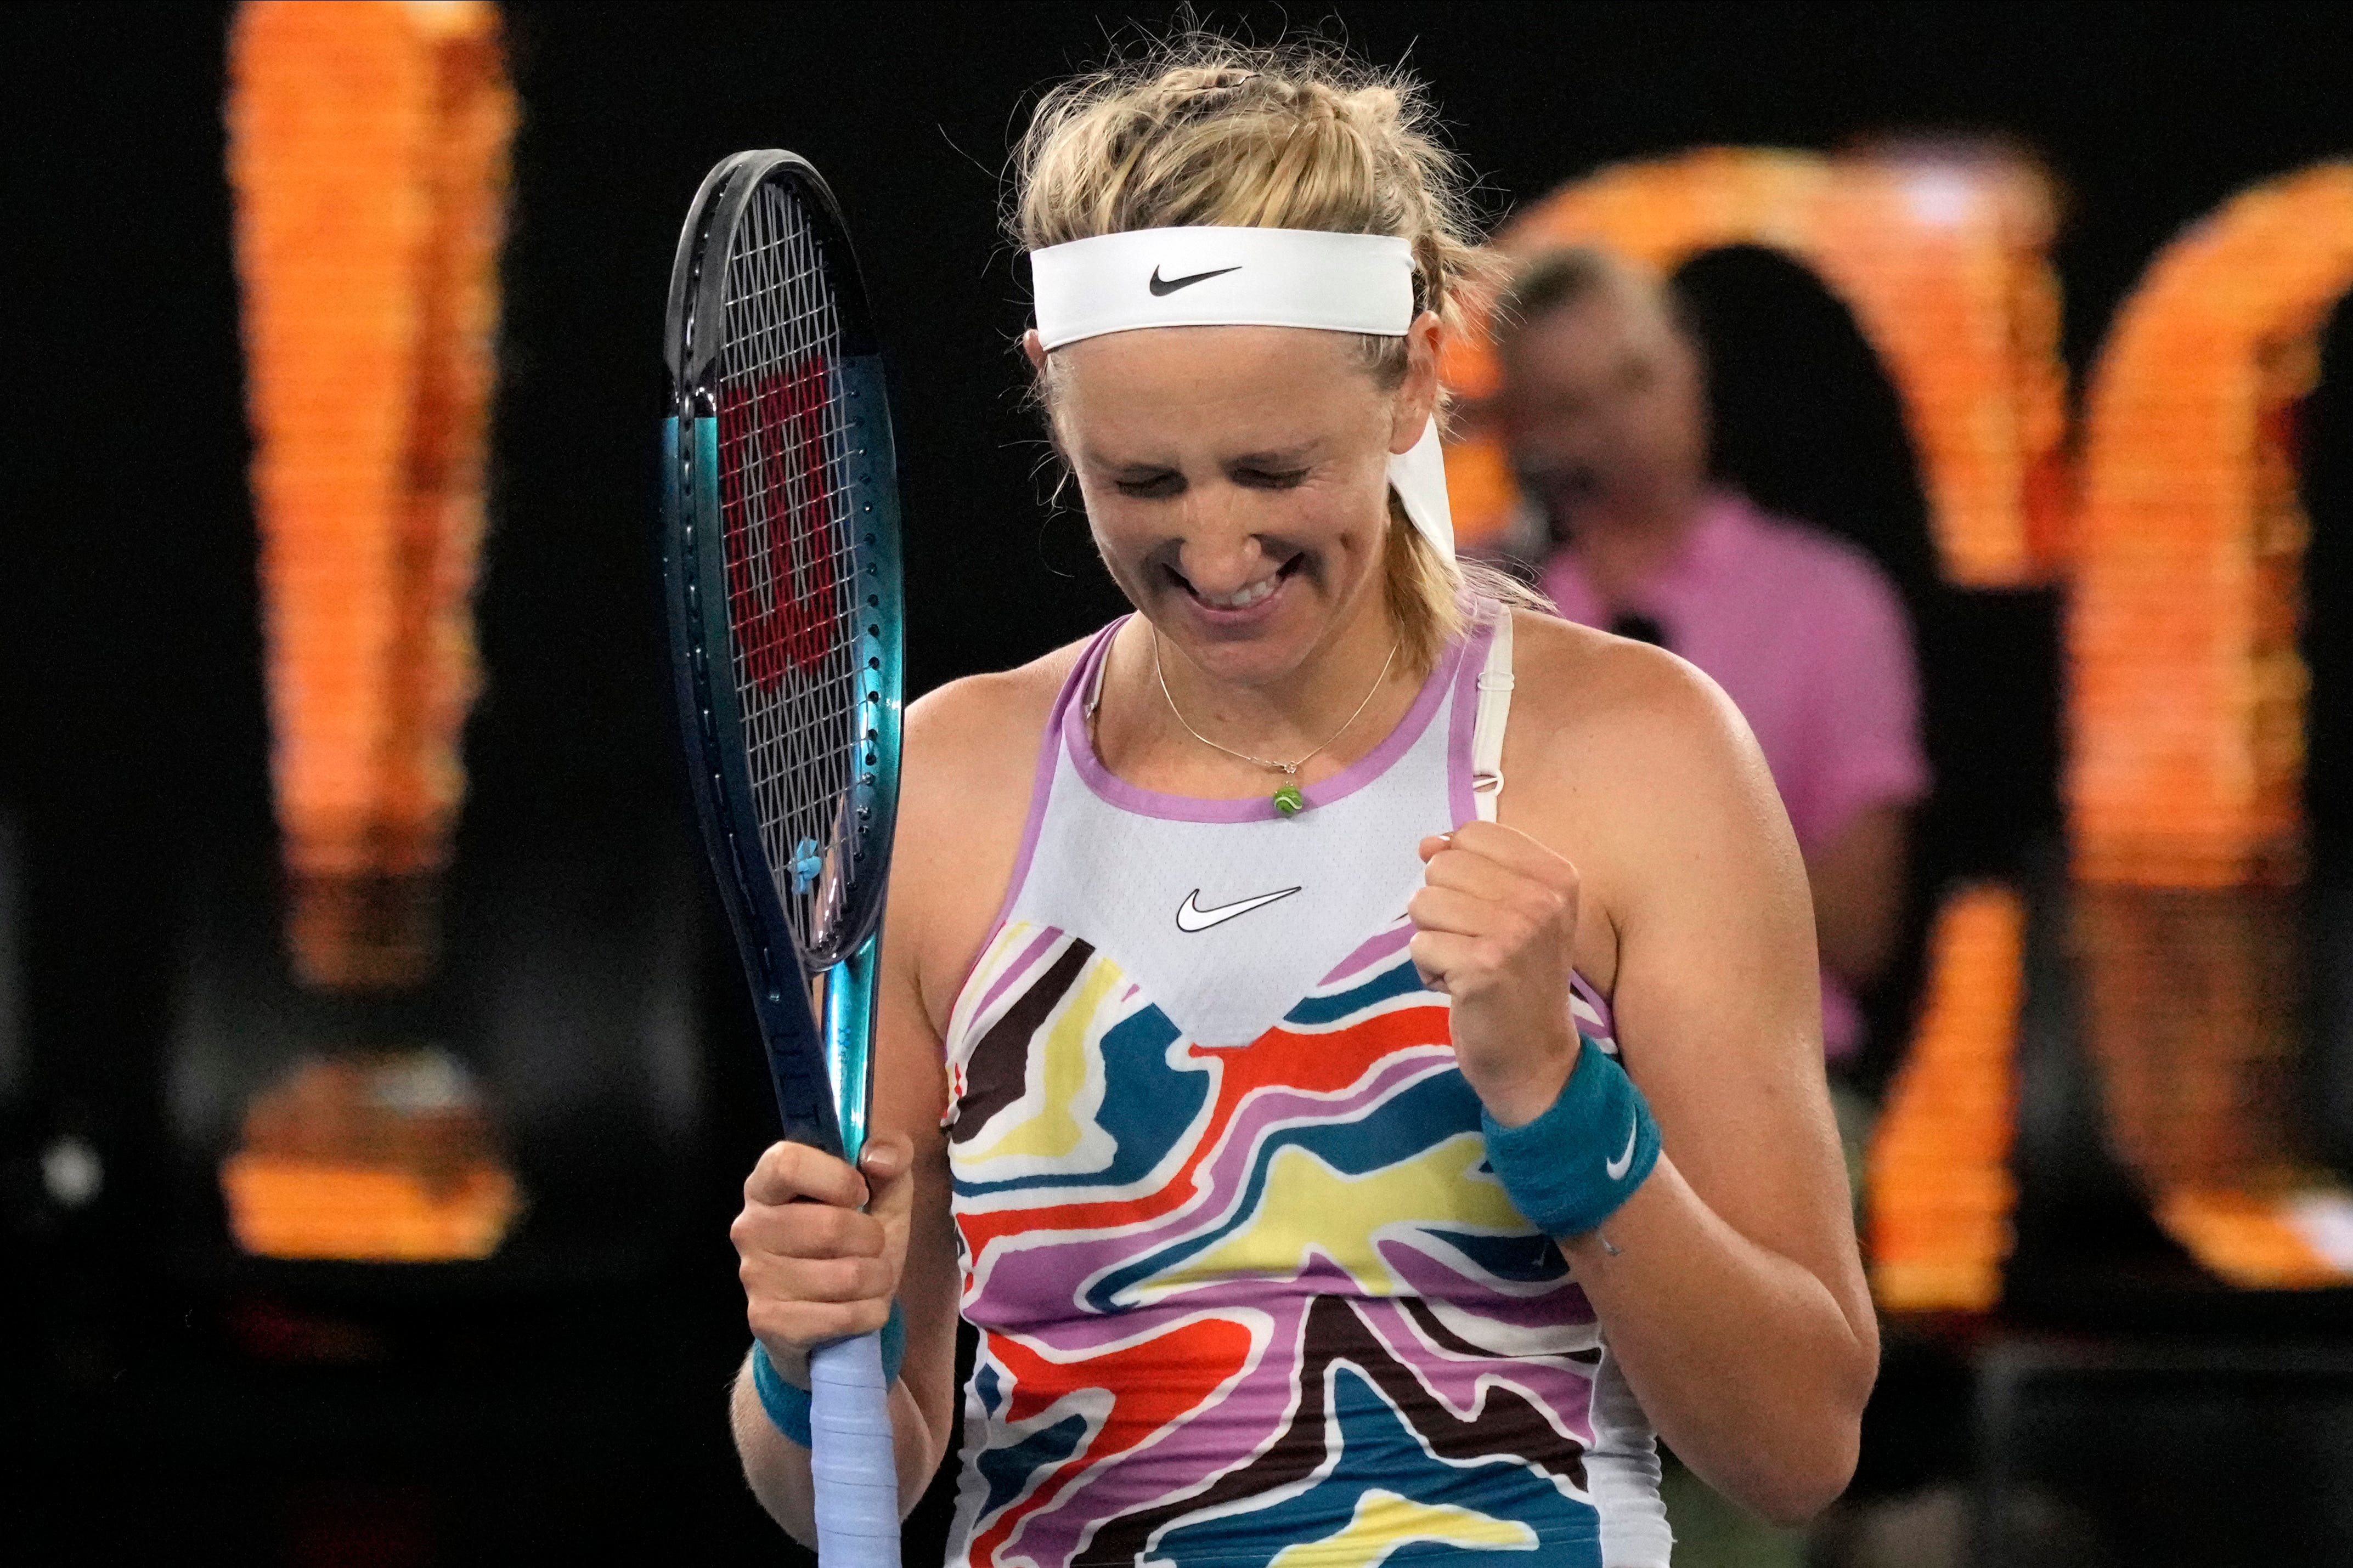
point(1624, 716)
point(970, 730)
point(970, 756)
point(1634, 765)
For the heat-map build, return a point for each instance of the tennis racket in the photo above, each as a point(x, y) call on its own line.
point(780, 560)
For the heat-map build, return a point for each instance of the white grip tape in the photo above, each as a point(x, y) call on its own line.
point(851, 1456)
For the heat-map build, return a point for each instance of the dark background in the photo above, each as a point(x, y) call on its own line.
point(571, 1400)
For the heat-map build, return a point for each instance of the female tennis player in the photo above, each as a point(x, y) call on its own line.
point(1348, 1043)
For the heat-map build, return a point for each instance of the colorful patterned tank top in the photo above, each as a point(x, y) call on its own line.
point(1247, 1295)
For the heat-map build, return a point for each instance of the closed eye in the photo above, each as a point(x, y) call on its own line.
point(1153, 487)
point(1270, 479)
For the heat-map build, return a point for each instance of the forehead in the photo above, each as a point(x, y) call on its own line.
point(1174, 369)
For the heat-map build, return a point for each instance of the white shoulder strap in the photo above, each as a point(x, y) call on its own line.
point(1494, 711)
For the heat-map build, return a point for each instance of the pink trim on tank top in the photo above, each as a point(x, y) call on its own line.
point(1041, 783)
point(1041, 787)
point(1600, 1003)
point(1375, 950)
point(1118, 791)
point(1462, 722)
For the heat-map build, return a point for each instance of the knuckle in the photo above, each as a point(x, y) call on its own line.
point(816, 1280)
point(841, 1280)
point(753, 1247)
point(839, 1231)
point(776, 1175)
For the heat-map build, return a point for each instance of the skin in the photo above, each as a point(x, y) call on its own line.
point(1641, 842)
point(1604, 406)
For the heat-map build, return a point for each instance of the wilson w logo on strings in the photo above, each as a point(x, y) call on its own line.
point(776, 506)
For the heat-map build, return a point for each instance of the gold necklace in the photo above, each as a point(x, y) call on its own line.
point(1288, 800)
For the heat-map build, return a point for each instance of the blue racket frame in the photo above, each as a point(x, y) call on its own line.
point(823, 1081)
point(822, 1070)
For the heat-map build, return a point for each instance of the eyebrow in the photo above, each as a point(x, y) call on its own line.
point(1274, 457)
point(1286, 458)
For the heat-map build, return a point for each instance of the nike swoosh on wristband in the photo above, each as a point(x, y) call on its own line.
point(1160, 285)
point(1617, 1168)
point(1192, 917)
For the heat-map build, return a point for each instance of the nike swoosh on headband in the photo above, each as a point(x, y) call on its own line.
point(1160, 285)
point(1192, 917)
point(1617, 1168)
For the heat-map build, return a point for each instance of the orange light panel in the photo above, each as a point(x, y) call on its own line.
point(387, 1158)
point(2186, 695)
point(2186, 725)
point(2190, 1016)
point(1938, 1187)
point(293, 1208)
point(368, 156)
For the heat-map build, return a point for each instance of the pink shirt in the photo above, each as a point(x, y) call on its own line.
point(1810, 641)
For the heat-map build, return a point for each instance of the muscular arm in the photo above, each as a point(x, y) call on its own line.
point(1735, 1302)
point(1857, 880)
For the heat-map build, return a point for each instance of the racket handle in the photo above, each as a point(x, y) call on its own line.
point(851, 1456)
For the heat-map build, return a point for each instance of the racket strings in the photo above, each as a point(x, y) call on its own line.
point(794, 597)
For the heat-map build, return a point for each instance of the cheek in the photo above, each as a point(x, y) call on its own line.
point(1118, 537)
point(1346, 514)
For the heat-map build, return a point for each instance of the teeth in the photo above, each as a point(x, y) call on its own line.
point(1242, 599)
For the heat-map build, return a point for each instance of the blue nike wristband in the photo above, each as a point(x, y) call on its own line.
point(1571, 1168)
point(788, 1407)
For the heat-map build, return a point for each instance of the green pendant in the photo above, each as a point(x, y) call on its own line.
point(1288, 801)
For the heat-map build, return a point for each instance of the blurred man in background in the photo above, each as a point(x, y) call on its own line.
point(1603, 407)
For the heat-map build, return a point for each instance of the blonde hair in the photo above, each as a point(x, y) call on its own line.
point(1205, 131)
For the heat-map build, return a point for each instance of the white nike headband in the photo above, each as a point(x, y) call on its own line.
point(1226, 277)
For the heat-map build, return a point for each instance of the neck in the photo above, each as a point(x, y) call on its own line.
point(1342, 697)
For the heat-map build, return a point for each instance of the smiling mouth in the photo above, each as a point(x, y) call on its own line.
point(1243, 597)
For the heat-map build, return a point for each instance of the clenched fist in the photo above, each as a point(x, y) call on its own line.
point(1496, 923)
point(821, 1246)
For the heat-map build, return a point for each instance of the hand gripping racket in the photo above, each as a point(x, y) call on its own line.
point(780, 560)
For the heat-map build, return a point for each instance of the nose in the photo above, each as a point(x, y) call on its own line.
point(1217, 550)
